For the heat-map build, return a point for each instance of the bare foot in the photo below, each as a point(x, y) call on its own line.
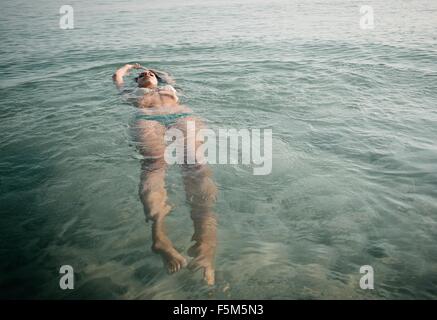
point(173, 260)
point(203, 254)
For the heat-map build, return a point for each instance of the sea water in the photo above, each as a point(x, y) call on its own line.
point(354, 172)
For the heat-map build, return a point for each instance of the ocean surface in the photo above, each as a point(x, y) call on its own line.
point(354, 119)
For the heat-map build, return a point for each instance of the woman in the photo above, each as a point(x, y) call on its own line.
point(159, 110)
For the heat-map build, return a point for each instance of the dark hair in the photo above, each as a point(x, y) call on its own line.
point(161, 76)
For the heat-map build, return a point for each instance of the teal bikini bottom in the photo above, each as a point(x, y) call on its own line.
point(165, 119)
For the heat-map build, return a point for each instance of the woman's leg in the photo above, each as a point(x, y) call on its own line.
point(201, 194)
point(151, 144)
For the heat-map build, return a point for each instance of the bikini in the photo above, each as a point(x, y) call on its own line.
point(166, 120)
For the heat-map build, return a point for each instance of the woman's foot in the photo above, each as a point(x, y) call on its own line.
point(173, 260)
point(203, 254)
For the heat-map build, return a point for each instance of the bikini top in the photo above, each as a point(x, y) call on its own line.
point(139, 92)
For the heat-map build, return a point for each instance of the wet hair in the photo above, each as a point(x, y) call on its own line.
point(162, 77)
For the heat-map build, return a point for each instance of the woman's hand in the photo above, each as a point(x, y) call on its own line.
point(120, 73)
point(133, 66)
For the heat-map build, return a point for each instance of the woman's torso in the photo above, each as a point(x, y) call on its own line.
point(159, 101)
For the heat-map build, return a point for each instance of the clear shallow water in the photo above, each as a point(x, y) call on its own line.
point(354, 147)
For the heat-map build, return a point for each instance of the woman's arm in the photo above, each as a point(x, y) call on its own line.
point(121, 72)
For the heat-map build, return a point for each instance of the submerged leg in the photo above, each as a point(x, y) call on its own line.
point(201, 194)
point(153, 193)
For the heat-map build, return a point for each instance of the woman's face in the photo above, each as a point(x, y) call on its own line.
point(147, 79)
